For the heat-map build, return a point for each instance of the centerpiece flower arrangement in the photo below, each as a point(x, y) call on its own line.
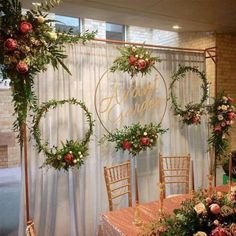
point(134, 60)
point(222, 115)
point(136, 137)
point(28, 43)
point(199, 216)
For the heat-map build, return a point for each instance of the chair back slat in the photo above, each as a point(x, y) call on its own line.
point(175, 170)
point(118, 182)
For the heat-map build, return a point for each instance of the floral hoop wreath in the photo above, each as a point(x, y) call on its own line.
point(192, 112)
point(72, 153)
point(134, 60)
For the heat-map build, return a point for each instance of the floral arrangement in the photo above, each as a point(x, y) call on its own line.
point(28, 43)
point(199, 216)
point(134, 60)
point(72, 153)
point(222, 115)
point(192, 113)
point(136, 137)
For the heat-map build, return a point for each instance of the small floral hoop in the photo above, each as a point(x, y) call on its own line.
point(72, 153)
point(192, 112)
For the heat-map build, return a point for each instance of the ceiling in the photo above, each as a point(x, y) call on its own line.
point(192, 15)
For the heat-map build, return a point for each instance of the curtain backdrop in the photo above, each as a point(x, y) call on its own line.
point(70, 203)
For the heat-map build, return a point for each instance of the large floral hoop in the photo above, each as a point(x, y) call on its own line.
point(193, 111)
point(72, 153)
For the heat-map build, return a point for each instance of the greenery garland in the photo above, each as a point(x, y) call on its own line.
point(134, 60)
point(222, 114)
point(135, 138)
point(202, 215)
point(28, 43)
point(72, 153)
point(192, 112)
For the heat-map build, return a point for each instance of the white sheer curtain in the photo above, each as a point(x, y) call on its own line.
point(70, 203)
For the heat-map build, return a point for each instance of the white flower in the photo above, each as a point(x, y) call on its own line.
point(75, 161)
point(136, 56)
point(151, 140)
point(70, 152)
point(224, 107)
point(52, 35)
point(40, 19)
point(219, 108)
point(79, 153)
point(220, 117)
point(146, 59)
point(224, 98)
point(58, 157)
point(145, 133)
point(81, 156)
point(133, 48)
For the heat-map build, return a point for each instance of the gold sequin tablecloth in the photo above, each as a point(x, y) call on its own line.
point(120, 222)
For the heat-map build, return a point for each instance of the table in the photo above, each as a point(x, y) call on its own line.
point(120, 222)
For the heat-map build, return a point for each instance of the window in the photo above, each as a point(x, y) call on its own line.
point(115, 31)
point(64, 23)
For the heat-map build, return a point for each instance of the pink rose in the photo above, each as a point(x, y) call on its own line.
point(141, 64)
point(145, 140)
point(68, 158)
point(219, 231)
point(215, 208)
point(10, 44)
point(132, 60)
point(230, 99)
point(126, 145)
point(217, 129)
point(22, 67)
point(230, 115)
point(195, 119)
point(25, 27)
point(223, 124)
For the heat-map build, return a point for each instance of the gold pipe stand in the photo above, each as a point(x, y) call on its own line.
point(210, 188)
point(137, 219)
point(30, 231)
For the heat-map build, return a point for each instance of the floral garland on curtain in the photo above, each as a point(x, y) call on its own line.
point(222, 114)
point(201, 215)
point(134, 60)
point(28, 43)
point(72, 153)
point(136, 137)
point(192, 113)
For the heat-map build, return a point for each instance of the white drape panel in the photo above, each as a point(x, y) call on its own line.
point(70, 203)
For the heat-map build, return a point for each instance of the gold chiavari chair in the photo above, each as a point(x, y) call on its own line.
point(175, 171)
point(118, 182)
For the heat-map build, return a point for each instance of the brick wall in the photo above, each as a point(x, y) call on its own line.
point(226, 71)
point(9, 154)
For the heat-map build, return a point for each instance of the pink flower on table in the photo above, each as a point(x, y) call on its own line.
point(215, 208)
point(219, 231)
point(25, 27)
point(22, 67)
point(10, 44)
point(230, 99)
